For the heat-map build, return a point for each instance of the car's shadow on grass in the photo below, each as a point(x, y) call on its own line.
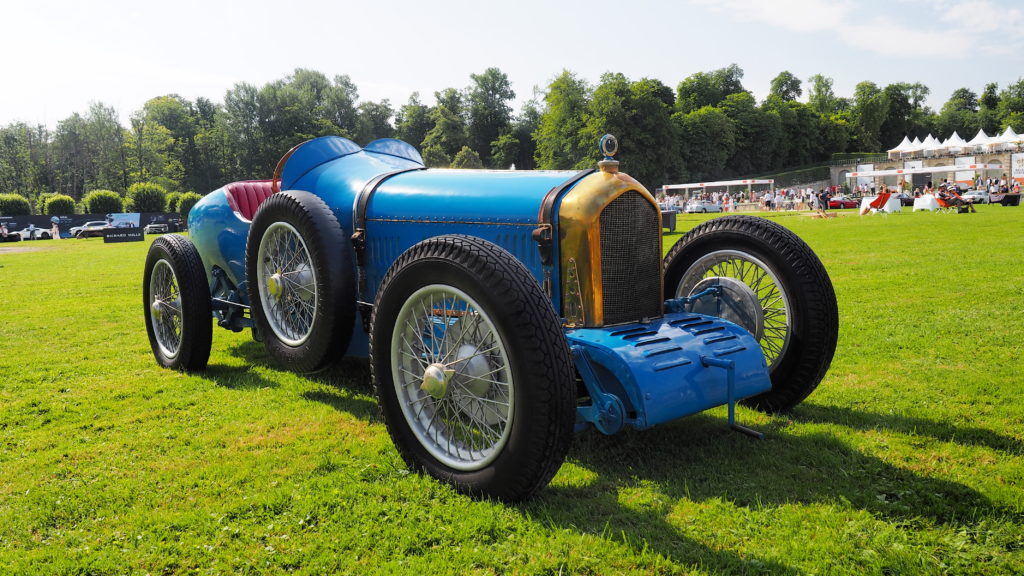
point(345, 384)
point(641, 479)
point(943, 431)
point(346, 388)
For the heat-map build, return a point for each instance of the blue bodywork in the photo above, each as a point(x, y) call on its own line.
point(636, 375)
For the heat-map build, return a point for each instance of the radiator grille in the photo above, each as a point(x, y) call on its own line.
point(630, 259)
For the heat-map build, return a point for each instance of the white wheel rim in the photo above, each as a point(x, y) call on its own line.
point(775, 301)
point(165, 308)
point(467, 426)
point(287, 284)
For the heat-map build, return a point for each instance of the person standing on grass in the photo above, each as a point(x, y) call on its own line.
point(55, 231)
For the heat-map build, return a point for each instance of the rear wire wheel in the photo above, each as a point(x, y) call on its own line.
point(176, 296)
point(301, 281)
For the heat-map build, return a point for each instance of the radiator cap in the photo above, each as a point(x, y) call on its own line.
point(609, 146)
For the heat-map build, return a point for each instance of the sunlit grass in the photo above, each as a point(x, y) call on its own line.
point(908, 459)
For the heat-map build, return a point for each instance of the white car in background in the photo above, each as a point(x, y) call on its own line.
point(702, 206)
point(39, 233)
point(976, 196)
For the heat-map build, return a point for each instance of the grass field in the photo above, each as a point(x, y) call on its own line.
point(909, 459)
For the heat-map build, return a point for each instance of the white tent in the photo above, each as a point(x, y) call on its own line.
point(1007, 140)
point(930, 145)
point(954, 143)
point(980, 141)
point(903, 147)
point(916, 147)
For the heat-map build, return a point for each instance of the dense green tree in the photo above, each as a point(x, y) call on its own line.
point(374, 121)
point(1011, 106)
point(639, 115)
point(959, 114)
point(708, 88)
point(707, 140)
point(489, 111)
point(801, 135)
point(523, 128)
point(413, 121)
point(557, 133)
point(786, 86)
point(448, 133)
point(821, 98)
point(467, 158)
point(435, 157)
point(505, 150)
point(757, 134)
point(102, 202)
point(869, 110)
point(24, 159)
point(988, 109)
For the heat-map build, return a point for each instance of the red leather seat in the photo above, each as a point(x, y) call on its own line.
point(246, 196)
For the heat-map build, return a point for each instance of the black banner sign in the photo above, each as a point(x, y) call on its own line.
point(123, 235)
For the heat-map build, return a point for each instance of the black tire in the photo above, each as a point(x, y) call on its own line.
point(524, 434)
point(176, 300)
point(801, 332)
point(310, 318)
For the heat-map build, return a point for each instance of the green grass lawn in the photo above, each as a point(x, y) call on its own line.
point(908, 459)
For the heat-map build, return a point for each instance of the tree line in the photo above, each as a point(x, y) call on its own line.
point(709, 127)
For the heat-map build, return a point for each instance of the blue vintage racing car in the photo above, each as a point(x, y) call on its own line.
point(501, 311)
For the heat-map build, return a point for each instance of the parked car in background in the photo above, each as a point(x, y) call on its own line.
point(976, 196)
point(905, 199)
point(155, 228)
point(702, 206)
point(92, 229)
point(34, 233)
point(841, 201)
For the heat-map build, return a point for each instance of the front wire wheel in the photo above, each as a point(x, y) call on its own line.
point(452, 377)
point(800, 327)
point(762, 280)
point(471, 369)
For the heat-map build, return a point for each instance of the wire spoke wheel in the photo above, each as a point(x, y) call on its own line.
point(470, 368)
point(790, 294)
point(165, 308)
point(452, 376)
point(287, 283)
point(176, 297)
point(762, 280)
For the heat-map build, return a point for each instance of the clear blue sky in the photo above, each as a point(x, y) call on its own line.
point(60, 55)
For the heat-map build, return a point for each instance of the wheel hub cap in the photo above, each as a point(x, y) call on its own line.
point(736, 302)
point(275, 285)
point(158, 310)
point(435, 380)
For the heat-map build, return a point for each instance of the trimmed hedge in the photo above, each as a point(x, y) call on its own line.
point(147, 197)
point(186, 202)
point(14, 205)
point(173, 199)
point(59, 205)
point(102, 202)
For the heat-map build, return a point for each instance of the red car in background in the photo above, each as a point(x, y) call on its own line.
point(842, 202)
